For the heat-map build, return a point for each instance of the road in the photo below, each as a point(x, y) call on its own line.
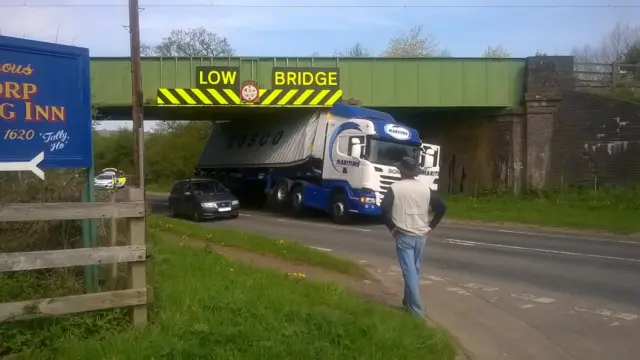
point(518, 291)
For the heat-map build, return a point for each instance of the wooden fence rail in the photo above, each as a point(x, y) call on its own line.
point(135, 254)
point(606, 75)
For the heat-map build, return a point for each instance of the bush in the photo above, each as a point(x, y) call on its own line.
point(169, 155)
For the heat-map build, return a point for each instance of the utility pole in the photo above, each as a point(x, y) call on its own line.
point(136, 93)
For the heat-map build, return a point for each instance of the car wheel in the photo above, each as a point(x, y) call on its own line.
point(339, 210)
point(234, 216)
point(172, 211)
point(196, 216)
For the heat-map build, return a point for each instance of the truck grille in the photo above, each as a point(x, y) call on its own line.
point(386, 181)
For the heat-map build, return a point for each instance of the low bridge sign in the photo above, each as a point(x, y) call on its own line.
point(290, 87)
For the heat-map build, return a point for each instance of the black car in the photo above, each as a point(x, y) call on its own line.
point(201, 199)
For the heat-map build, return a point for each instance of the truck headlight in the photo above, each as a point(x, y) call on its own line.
point(209, 205)
point(367, 200)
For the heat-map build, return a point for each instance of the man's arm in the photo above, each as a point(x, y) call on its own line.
point(387, 206)
point(438, 207)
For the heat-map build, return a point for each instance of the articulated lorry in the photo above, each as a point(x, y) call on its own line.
point(338, 160)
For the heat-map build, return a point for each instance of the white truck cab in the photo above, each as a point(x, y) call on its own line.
point(362, 152)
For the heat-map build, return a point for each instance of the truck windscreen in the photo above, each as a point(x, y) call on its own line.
point(390, 153)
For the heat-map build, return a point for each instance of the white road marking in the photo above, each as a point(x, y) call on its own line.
point(425, 282)
point(526, 306)
point(481, 287)
point(322, 225)
point(390, 273)
point(459, 291)
point(395, 268)
point(568, 236)
point(368, 281)
point(362, 261)
point(434, 278)
point(459, 242)
point(320, 248)
point(542, 300)
point(608, 313)
point(615, 324)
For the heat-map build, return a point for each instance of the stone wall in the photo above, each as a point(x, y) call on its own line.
point(546, 78)
point(574, 137)
point(595, 137)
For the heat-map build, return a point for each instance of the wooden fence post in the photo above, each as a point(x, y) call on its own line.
point(137, 271)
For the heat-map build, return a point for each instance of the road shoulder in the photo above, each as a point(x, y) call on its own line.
point(480, 329)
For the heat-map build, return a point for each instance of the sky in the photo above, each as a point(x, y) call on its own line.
point(302, 27)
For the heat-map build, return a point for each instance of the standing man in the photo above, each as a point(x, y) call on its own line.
point(405, 208)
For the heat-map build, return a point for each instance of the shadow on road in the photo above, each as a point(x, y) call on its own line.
point(159, 206)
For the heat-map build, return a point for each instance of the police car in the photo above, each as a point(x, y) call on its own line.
point(110, 178)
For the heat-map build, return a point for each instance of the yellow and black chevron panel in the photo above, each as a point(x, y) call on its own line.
point(299, 97)
point(268, 97)
point(198, 97)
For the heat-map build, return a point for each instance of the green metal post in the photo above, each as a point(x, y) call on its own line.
point(89, 235)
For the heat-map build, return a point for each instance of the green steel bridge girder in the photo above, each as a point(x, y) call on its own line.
point(374, 82)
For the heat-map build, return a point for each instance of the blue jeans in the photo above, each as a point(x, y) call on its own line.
point(409, 250)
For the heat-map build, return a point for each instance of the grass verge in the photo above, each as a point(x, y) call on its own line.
point(210, 307)
point(286, 250)
point(158, 188)
point(616, 212)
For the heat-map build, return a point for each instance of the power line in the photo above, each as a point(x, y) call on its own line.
point(310, 6)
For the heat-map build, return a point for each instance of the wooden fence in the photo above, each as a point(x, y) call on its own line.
point(606, 75)
point(135, 254)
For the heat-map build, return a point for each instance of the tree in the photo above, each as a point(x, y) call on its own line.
point(495, 52)
point(612, 47)
point(315, 54)
point(540, 53)
point(167, 126)
point(190, 42)
point(412, 44)
point(358, 50)
point(632, 55)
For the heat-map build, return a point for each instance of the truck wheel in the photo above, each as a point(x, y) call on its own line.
point(281, 195)
point(339, 210)
point(297, 200)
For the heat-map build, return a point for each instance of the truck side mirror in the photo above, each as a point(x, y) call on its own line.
point(356, 148)
point(428, 161)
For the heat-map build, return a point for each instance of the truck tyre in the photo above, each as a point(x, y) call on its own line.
point(339, 209)
point(297, 200)
point(281, 195)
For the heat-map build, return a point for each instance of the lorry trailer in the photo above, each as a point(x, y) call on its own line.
point(340, 160)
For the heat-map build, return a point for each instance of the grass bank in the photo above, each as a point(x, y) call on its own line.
point(286, 250)
point(159, 188)
point(614, 211)
point(210, 307)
